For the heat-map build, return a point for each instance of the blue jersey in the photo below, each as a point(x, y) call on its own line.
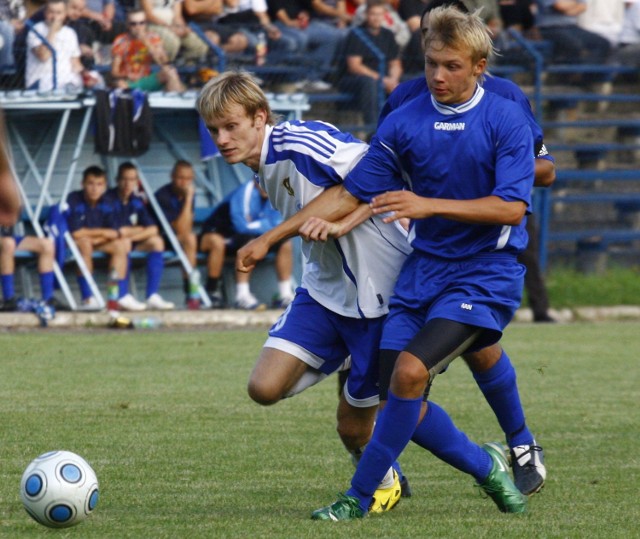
point(133, 213)
point(169, 201)
point(503, 87)
point(477, 149)
point(82, 215)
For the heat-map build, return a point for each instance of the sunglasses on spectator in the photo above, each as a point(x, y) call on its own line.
point(137, 23)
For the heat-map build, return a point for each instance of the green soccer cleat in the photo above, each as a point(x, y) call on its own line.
point(499, 486)
point(345, 508)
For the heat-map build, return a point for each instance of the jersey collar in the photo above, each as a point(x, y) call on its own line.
point(450, 110)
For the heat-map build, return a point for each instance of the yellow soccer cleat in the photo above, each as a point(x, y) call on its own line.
point(385, 499)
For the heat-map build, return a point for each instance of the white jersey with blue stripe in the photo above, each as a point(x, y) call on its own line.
point(353, 275)
point(481, 148)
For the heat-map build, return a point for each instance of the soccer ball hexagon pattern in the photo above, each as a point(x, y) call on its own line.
point(59, 489)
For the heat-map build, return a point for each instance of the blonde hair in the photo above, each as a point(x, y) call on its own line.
point(460, 31)
point(232, 88)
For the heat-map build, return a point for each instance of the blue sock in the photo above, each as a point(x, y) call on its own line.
point(85, 290)
point(437, 433)
point(499, 387)
point(46, 285)
point(123, 286)
point(392, 433)
point(8, 287)
point(155, 265)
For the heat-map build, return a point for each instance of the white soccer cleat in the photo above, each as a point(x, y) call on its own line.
point(129, 303)
point(155, 302)
point(90, 304)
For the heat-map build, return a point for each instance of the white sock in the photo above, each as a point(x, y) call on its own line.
point(308, 379)
point(387, 480)
point(284, 288)
point(242, 290)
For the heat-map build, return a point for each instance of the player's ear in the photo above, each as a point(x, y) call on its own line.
point(480, 67)
point(260, 118)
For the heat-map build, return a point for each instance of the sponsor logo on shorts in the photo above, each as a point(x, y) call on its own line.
point(466, 306)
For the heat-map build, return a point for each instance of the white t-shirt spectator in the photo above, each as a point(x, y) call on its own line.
point(65, 44)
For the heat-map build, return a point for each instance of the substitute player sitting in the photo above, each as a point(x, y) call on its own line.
point(341, 304)
point(134, 222)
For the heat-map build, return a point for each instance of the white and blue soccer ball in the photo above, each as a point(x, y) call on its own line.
point(59, 489)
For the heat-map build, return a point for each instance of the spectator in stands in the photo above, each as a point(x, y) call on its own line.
point(177, 200)
point(86, 39)
point(520, 15)
point(93, 21)
point(391, 21)
point(52, 32)
point(362, 76)
point(135, 52)
point(243, 215)
point(166, 19)
point(604, 17)
point(76, 21)
point(44, 250)
point(92, 223)
point(134, 223)
point(12, 17)
point(558, 24)
point(411, 12)
point(250, 18)
point(207, 14)
point(307, 34)
point(629, 48)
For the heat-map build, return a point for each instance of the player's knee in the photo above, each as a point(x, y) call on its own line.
point(48, 248)
point(353, 434)
point(409, 376)
point(264, 394)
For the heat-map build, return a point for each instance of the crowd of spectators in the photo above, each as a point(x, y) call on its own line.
point(315, 34)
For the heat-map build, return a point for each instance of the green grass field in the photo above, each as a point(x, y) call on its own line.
point(180, 450)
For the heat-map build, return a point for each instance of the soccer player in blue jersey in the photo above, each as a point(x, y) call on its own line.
point(341, 304)
point(491, 366)
point(459, 163)
point(91, 221)
point(134, 223)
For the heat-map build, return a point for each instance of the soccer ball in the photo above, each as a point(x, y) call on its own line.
point(59, 489)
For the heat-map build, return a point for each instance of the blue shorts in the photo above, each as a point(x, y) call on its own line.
point(323, 340)
point(484, 291)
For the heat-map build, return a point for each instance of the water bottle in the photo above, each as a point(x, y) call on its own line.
point(261, 49)
point(193, 301)
point(146, 323)
point(113, 290)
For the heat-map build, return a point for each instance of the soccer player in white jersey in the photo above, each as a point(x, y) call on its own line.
point(341, 304)
point(458, 162)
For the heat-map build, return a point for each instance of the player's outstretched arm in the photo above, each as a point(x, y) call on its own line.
point(485, 210)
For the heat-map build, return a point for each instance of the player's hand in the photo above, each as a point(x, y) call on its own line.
point(401, 204)
point(249, 255)
point(317, 229)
